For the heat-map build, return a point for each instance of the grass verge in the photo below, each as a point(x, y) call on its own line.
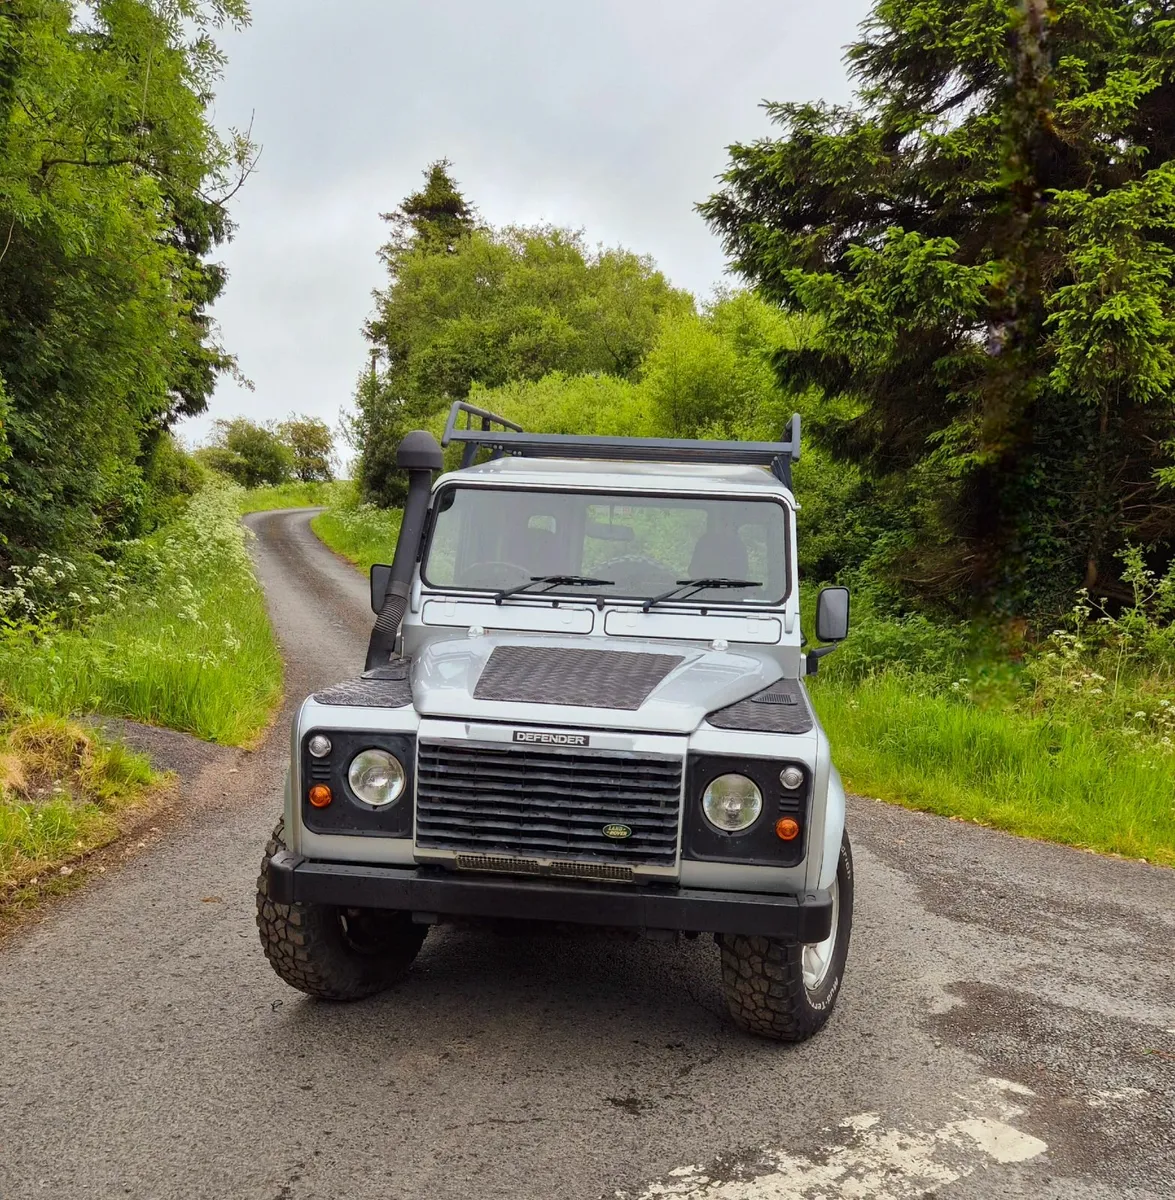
point(1000, 766)
point(361, 532)
point(291, 495)
point(176, 634)
point(64, 792)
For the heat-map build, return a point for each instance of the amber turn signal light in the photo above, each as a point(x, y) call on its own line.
point(786, 829)
point(320, 795)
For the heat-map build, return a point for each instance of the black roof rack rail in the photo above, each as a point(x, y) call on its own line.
point(513, 439)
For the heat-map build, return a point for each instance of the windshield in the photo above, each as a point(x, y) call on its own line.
point(497, 539)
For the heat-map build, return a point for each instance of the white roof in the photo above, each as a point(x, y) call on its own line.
point(603, 475)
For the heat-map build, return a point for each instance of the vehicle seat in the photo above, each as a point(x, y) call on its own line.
point(538, 550)
point(719, 555)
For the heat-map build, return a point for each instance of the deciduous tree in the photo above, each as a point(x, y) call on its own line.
point(248, 453)
point(113, 185)
point(469, 305)
point(312, 444)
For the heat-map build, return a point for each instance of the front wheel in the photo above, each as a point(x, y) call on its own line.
point(786, 991)
point(329, 952)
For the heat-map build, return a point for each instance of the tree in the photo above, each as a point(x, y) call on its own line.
point(312, 445)
point(986, 241)
point(113, 185)
point(435, 219)
point(248, 453)
point(470, 306)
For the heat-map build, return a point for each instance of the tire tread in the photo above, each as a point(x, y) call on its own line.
point(306, 948)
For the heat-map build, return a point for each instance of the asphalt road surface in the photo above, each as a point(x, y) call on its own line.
point(1006, 1029)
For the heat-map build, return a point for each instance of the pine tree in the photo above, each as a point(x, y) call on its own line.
point(434, 218)
point(987, 239)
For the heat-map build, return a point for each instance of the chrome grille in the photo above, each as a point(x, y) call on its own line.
point(544, 803)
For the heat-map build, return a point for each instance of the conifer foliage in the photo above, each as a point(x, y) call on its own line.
point(987, 239)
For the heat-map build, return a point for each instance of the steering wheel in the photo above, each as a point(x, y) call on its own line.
point(492, 574)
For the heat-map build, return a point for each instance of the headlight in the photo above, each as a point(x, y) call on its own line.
point(376, 777)
point(732, 803)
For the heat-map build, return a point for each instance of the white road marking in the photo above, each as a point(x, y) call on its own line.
point(1008, 1085)
point(1001, 1141)
point(1102, 1099)
point(877, 1162)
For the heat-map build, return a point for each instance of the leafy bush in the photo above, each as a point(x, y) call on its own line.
point(249, 454)
point(175, 633)
point(1112, 670)
point(171, 478)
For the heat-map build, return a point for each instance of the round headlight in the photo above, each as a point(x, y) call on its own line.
point(791, 777)
point(376, 777)
point(319, 746)
point(732, 803)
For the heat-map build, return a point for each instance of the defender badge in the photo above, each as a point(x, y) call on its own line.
point(617, 832)
point(538, 737)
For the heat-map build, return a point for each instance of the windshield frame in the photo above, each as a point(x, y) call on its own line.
point(585, 594)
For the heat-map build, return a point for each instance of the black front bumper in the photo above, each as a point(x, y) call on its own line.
point(297, 880)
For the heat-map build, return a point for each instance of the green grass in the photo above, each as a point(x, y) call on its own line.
point(178, 637)
point(362, 533)
point(63, 792)
point(291, 495)
point(1001, 766)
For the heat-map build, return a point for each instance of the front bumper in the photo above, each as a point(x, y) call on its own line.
point(297, 880)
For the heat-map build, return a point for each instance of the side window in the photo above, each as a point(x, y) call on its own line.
point(442, 554)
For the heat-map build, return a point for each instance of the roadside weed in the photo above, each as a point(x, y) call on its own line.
point(289, 495)
point(1004, 766)
point(1070, 738)
point(62, 793)
point(175, 634)
point(361, 532)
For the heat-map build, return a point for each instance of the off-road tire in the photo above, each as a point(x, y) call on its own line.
point(763, 978)
point(309, 947)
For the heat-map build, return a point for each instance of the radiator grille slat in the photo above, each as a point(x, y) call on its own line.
point(507, 800)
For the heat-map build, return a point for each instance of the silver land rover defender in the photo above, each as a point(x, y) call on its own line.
point(583, 703)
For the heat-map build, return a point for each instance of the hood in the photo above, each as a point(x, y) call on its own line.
point(650, 686)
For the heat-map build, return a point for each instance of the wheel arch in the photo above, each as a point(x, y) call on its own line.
point(834, 828)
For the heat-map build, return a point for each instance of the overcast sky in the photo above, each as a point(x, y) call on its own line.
point(606, 115)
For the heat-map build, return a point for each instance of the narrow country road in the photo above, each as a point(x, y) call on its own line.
point(1007, 1027)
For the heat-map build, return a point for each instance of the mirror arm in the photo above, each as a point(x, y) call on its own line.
point(813, 657)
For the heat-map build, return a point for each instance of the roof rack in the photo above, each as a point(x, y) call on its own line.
point(513, 439)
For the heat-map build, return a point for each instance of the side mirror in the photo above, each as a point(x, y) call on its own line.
point(832, 614)
point(381, 573)
point(832, 624)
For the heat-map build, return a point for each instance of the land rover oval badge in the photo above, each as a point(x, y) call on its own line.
point(617, 832)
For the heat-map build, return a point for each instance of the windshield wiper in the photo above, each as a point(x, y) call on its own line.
point(697, 585)
point(552, 581)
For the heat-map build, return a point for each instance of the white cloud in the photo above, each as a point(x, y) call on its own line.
point(610, 115)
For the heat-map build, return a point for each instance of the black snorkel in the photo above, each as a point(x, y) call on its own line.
point(420, 456)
